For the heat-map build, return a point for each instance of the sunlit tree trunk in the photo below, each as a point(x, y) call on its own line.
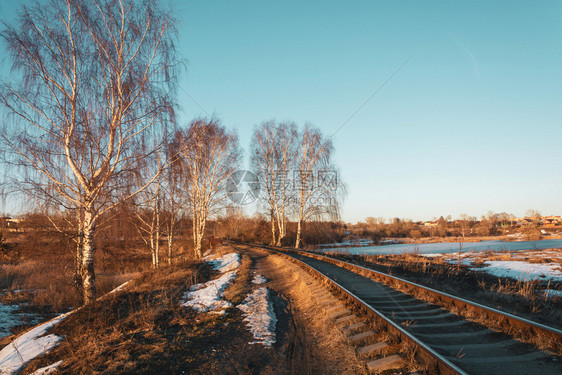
point(88, 274)
point(273, 228)
point(298, 240)
point(170, 240)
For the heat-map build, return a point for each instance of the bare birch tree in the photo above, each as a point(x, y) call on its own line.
point(172, 198)
point(208, 155)
point(274, 153)
point(148, 205)
point(95, 75)
point(316, 182)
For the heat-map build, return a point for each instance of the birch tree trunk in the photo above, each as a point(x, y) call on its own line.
point(78, 260)
point(88, 274)
point(170, 238)
point(273, 231)
point(156, 261)
point(298, 240)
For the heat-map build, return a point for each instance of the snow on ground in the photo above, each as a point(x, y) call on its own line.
point(467, 259)
point(260, 317)
point(539, 254)
point(209, 296)
point(551, 293)
point(259, 279)
point(118, 289)
point(48, 369)
point(11, 316)
point(431, 255)
point(226, 262)
point(34, 343)
point(464, 262)
point(522, 270)
point(8, 319)
point(31, 344)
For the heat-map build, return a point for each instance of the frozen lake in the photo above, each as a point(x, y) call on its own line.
point(449, 247)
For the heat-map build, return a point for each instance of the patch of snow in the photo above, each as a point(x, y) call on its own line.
point(464, 262)
point(48, 369)
point(522, 270)
point(208, 296)
point(432, 255)
point(119, 288)
point(259, 314)
point(551, 293)
point(259, 279)
point(34, 343)
point(8, 318)
point(31, 344)
point(542, 254)
point(226, 262)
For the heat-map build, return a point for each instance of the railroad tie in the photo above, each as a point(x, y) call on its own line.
point(327, 300)
point(361, 336)
point(373, 348)
point(317, 289)
point(323, 295)
point(346, 319)
point(387, 363)
point(354, 327)
point(335, 307)
point(338, 314)
point(330, 302)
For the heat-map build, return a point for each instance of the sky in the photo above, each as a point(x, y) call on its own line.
point(468, 118)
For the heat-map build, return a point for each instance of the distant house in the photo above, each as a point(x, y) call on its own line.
point(8, 222)
point(430, 224)
point(526, 221)
point(552, 221)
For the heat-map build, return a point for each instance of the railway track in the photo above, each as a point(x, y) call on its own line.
point(436, 323)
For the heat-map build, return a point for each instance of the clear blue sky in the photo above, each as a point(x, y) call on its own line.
point(472, 123)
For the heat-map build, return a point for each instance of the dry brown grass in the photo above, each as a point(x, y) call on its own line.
point(144, 330)
point(124, 331)
point(40, 266)
point(47, 286)
point(241, 286)
point(313, 345)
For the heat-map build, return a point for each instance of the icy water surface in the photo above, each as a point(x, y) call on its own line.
point(450, 247)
